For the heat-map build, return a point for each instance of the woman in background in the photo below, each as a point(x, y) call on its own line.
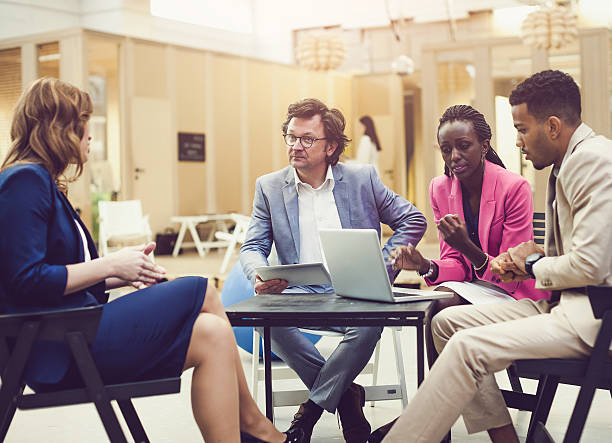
point(481, 210)
point(367, 152)
point(49, 261)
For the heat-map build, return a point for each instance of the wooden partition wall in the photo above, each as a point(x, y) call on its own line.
point(238, 103)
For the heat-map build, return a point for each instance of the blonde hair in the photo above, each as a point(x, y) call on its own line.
point(48, 125)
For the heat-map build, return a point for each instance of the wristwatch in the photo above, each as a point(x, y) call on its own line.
point(530, 261)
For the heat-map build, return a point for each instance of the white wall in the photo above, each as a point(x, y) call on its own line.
point(18, 18)
point(133, 18)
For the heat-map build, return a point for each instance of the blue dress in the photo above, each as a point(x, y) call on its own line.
point(142, 335)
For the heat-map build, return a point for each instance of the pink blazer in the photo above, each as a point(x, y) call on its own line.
point(505, 220)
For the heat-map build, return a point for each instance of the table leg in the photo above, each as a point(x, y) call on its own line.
point(420, 352)
point(268, 372)
point(179, 239)
point(196, 239)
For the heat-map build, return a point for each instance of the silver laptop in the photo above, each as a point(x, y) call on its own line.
point(357, 268)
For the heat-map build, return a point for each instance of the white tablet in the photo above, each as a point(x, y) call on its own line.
point(296, 275)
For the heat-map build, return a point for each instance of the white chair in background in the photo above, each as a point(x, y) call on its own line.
point(295, 397)
point(233, 238)
point(122, 222)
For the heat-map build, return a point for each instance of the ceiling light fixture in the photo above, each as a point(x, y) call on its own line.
point(320, 50)
point(549, 28)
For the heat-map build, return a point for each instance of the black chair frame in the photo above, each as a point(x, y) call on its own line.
point(590, 374)
point(76, 327)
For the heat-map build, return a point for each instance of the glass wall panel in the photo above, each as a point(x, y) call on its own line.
point(511, 64)
point(49, 60)
point(10, 89)
point(105, 152)
point(456, 74)
point(567, 59)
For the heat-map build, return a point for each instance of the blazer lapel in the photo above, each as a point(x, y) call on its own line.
point(487, 206)
point(552, 239)
point(72, 215)
point(342, 198)
point(455, 199)
point(290, 198)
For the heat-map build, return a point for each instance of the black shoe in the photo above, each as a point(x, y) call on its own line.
point(294, 435)
point(378, 435)
point(304, 420)
point(355, 426)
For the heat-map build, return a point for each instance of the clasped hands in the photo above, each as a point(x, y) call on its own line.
point(134, 266)
point(510, 265)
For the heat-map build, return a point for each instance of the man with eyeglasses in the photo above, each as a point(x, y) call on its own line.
point(290, 206)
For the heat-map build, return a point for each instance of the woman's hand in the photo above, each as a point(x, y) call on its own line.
point(454, 232)
point(134, 265)
point(409, 258)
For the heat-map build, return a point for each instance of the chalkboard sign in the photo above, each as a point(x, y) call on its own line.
point(191, 147)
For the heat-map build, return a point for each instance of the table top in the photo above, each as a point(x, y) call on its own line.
point(200, 218)
point(322, 306)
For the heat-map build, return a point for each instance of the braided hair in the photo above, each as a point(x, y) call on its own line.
point(482, 129)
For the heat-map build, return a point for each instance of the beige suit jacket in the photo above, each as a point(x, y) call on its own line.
point(579, 229)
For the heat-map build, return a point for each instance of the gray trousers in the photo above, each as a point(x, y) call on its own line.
point(327, 379)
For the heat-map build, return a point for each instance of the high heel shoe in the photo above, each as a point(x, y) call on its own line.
point(292, 436)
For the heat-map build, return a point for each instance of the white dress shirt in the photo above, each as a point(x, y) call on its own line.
point(317, 209)
point(84, 240)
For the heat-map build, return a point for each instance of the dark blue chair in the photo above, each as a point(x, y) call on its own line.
point(77, 328)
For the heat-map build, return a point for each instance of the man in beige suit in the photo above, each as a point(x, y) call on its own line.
point(481, 340)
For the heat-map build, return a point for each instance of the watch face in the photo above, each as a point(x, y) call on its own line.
point(531, 259)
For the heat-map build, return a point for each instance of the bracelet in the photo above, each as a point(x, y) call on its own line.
point(429, 272)
point(482, 265)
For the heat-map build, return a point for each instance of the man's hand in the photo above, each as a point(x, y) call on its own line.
point(503, 266)
point(454, 232)
point(521, 252)
point(275, 286)
point(409, 258)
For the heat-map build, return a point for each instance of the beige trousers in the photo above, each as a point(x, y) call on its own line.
point(479, 340)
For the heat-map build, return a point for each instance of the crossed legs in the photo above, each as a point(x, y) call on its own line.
point(221, 402)
point(477, 342)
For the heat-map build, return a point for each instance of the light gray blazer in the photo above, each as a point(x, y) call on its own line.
point(362, 200)
point(578, 234)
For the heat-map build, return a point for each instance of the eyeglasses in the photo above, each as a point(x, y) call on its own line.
point(306, 141)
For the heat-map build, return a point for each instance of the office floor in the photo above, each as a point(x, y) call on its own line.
point(168, 418)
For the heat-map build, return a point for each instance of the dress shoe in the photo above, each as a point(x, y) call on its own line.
point(378, 435)
point(355, 426)
point(304, 420)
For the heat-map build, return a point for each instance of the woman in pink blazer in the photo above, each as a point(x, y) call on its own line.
point(481, 210)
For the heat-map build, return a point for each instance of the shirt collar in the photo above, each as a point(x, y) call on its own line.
point(582, 131)
point(327, 184)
